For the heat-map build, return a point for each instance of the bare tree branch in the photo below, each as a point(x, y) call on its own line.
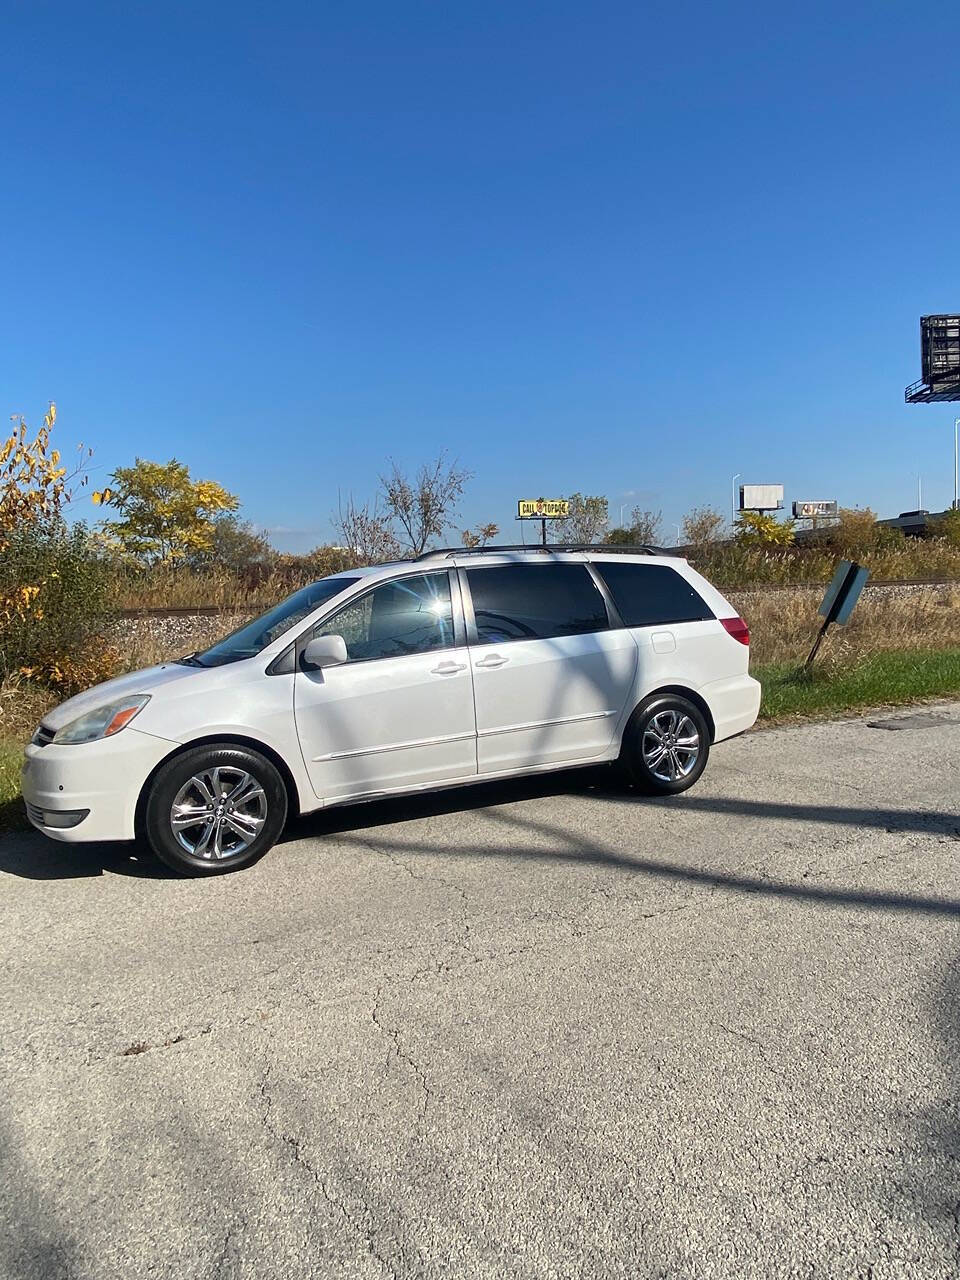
point(587, 521)
point(426, 506)
point(480, 536)
point(365, 532)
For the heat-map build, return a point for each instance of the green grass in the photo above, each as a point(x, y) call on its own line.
point(12, 815)
point(883, 679)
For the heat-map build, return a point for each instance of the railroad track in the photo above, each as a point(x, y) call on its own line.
point(190, 611)
point(871, 583)
point(215, 610)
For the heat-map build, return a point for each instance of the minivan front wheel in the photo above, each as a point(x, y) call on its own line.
point(666, 746)
point(214, 809)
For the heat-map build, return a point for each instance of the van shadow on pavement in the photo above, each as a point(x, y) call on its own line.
point(35, 857)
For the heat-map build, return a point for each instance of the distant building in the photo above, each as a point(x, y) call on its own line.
point(915, 524)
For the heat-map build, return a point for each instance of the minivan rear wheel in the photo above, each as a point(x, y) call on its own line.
point(666, 745)
point(215, 809)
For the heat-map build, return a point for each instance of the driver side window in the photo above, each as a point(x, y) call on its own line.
point(410, 615)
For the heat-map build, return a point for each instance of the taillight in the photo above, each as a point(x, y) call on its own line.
point(737, 628)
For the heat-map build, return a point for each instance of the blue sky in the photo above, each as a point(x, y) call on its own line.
point(621, 248)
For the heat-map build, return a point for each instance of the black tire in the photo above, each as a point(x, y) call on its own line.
point(650, 722)
point(257, 815)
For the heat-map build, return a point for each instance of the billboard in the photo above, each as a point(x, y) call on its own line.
point(939, 361)
point(761, 497)
point(810, 510)
point(940, 348)
point(543, 509)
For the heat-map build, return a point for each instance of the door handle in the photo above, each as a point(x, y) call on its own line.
point(495, 660)
point(449, 668)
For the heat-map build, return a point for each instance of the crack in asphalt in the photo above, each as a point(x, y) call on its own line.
point(756, 1044)
point(460, 943)
point(138, 1047)
point(222, 1255)
point(294, 1146)
point(393, 1035)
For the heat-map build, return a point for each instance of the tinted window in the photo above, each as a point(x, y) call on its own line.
point(650, 594)
point(534, 602)
point(412, 615)
point(248, 640)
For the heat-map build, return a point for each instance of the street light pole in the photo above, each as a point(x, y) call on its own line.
point(956, 474)
point(622, 506)
point(733, 498)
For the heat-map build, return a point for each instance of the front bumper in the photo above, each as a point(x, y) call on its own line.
point(104, 778)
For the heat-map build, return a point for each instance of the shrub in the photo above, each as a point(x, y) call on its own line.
point(57, 637)
point(645, 529)
point(702, 526)
point(758, 529)
point(239, 548)
point(948, 527)
point(854, 533)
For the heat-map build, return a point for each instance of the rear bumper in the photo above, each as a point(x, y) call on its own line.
point(102, 778)
point(734, 704)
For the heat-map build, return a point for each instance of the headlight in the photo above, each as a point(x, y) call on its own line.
point(103, 722)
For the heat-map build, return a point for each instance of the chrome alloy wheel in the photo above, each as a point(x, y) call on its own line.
point(218, 813)
point(671, 745)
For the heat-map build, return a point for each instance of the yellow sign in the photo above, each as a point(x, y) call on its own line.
point(543, 509)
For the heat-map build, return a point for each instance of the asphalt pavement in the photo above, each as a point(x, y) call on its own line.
point(536, 1029)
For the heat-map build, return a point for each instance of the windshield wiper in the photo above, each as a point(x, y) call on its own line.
point(190, 660)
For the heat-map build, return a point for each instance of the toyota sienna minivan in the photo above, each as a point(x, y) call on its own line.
point(453, 668)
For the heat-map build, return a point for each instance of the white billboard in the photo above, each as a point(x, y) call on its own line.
point(761, 497)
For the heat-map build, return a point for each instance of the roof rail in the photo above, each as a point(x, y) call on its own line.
point(615, 548)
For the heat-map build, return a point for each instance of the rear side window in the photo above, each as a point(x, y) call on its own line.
point(648, 595)
point(535, 602)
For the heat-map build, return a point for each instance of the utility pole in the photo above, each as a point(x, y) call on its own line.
point(956, 474)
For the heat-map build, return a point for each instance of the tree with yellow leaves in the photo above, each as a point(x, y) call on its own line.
point(760, 529)
point(32, 488)
point(164, 516)
point(32, 479)
point(51, 584)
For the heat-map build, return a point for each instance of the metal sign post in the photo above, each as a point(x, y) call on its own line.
point(838, 600)
point(543, 509)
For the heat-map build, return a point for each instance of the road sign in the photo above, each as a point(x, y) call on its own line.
point(843, 591)
point(839, 598)
point(810, 510)
point(543, 509)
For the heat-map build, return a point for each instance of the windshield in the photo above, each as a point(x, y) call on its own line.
point(247, 641)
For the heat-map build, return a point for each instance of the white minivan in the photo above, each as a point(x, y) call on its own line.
point(457, 667)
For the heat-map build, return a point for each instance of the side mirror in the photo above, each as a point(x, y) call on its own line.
point(325, 651)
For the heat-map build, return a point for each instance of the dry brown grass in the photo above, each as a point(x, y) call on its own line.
point(783, 624)
point(213, 588)
point(731, 565)
point(22, 704)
